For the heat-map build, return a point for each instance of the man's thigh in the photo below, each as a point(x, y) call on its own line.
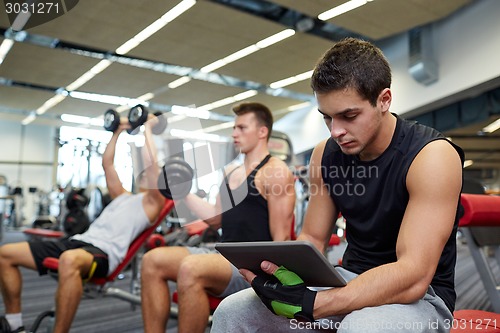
point(19, 254)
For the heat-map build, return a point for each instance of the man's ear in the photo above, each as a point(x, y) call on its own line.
point(263, 131)
point(385, 99)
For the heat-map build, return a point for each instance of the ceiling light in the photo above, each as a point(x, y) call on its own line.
point(108, 99)
point(245, 95)
point(213, 66)
point(241, 53)
point(122, 108)
point(99, 122)
point(468, 163)
point(155, 26)
point(291, 80)
point(28, 119)
point(304, 76)
point(197, 135)
point(275, 38)
point(341, 9)
point(218, 127)
point(21, 20)
point(101, 65)
point(50, 103)
point(179, 82)
point(298, 106)
point(217, 104)
point(492, 127)
point(229, 100)
point(128, 46)
point(146, 97)
point(71, 118)
point(190, 112)
point(282, 83)
point(5, 48)
point(87, 76)
point(248, 50)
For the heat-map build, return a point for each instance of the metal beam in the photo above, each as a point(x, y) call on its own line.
point(156, 66)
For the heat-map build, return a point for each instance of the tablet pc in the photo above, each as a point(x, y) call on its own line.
point(300, 257)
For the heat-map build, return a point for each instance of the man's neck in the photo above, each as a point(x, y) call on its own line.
point(383, 140)
point(255, 156)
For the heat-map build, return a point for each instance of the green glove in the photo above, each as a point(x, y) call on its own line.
point(285, 294)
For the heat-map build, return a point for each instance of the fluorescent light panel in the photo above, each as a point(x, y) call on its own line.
point(28, 119)
point(291, 80)
point(197, 135)
point(190, 112)
point(275, 38)
point(341, 9)
point(147, 32)
point(179, 82)
point(229, 100)
point(50, 103)
point(109, 99)
point(492, 127)
point(71, 118)
point(468, 163)
point(218, 127)
point(5, 48)
point(248, 50)
point(298, 106)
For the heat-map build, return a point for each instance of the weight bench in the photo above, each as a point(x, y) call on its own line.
point(480, 224)
point(100, 287)
point(40, 233)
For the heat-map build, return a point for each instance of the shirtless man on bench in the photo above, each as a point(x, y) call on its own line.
point(94, 253)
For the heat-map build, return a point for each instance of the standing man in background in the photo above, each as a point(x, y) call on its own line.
point(265, 186)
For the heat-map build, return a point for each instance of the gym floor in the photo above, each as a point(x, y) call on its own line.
point(111, 315)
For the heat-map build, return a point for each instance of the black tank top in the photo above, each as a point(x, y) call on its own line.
point(245, 217)
point(372, 197)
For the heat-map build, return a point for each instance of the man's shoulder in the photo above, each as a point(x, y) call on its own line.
point(276, 163)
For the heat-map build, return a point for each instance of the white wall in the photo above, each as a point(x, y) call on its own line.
point(36, 148)
point(467, 50)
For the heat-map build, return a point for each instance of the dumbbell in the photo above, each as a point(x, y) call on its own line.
point(154, 241)
point(138, 115)
point(111, 120)
point(175, 179)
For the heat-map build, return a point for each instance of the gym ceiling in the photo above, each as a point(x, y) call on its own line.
point(45, 61)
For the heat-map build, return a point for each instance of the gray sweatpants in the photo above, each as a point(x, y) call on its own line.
point(244, 312)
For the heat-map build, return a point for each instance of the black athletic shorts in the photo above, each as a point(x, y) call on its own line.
point(44, 249)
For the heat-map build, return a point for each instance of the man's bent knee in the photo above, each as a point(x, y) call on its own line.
point(75, 260)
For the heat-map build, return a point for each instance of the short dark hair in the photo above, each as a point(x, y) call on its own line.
point(262, 114)
point(352, 63)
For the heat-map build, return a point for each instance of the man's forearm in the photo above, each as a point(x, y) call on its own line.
point(387, 284)
point(108, 156)
point(202, 209)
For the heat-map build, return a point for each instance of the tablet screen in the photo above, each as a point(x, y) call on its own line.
point(300, 257)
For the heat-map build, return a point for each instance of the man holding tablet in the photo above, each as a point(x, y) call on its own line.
point(398, 185)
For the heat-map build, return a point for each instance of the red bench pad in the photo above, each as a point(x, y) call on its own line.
point(39, 232)
point(476, 321)
point(480, 210)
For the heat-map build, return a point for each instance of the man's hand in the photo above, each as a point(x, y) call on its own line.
point(283, 292)
point(124, 125)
